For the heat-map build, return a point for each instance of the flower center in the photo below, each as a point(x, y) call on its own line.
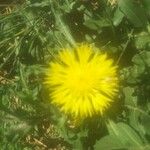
point(81, 80)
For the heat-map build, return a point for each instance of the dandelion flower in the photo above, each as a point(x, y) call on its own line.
point(83, 82)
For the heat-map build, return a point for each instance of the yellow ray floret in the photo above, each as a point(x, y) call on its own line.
point(82, 82)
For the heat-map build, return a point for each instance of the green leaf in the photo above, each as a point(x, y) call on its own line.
point(146, 4)
point(130, 103)
point(125, 134)
point(37, 4)
point(142, 41)
point(108, 142)
point(136, 71)
point(142, 59)
point(121, 136)
point(137, 59)
point(134, 12)
point(129, 98)
point(77, 144)
point(5, 100)
point(118, 17)
point(68, 6)
point(96, 24)
point(145, 122)
point(146, 57)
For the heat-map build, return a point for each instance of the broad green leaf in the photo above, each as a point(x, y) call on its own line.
point(118, 17)
point(148, 106)
point(134, 12)
point(5, 100)
point(131, 74)
point(136, 71)
point(97, 24)
point(138, 60)
point(145, 122)
point(108, 143)
point(142, 41)
point(129, 98)
point(77, 144)
point(121, 136)
point(146, 57)
point(125, 134)
point(133, 110)
point(146, 4)
point(142, 58)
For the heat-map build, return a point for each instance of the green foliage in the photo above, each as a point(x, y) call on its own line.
point(31, 33)
point(134, 12)
point(120, 136)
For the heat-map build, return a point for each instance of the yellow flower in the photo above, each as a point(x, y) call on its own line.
point(83, 82)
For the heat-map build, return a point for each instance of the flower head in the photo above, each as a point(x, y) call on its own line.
point(83, 82)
